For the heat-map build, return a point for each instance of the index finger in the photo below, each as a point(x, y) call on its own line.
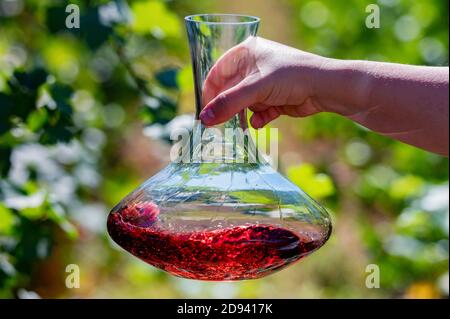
point(232, 101)
point(230, 69)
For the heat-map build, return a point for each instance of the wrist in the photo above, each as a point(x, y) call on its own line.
point(341, 86)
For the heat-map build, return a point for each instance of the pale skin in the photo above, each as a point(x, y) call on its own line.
point(404, 102)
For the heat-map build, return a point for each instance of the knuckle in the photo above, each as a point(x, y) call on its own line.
point(222, 100)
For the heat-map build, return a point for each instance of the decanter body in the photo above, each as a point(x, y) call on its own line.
point(220, 211)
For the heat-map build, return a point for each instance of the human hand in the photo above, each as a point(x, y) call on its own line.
point(405, 102)
point(269, 78)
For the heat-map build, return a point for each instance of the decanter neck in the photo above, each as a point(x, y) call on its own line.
point(230, 142)
point(210, 36)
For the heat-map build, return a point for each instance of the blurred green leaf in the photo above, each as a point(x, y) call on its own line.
point(31, 80)
point(56, 19)
point(168, 77)
point(318, 185)
point(6, 105)
point(37, 119)
point(7, 220)
point(91, 30)
point(406, 187)
point(5, 162)
point(91, 21)
point(158, 109)
point(185, 79)
point(153, 17)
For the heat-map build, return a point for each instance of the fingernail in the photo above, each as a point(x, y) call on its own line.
point(256, 122)
point(207, 116)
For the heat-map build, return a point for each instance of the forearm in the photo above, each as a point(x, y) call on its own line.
point(408, 103)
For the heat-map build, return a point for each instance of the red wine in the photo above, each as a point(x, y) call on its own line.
point(234, 253)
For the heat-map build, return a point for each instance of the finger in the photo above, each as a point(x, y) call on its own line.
point(232, 101)
point(261, 119)
point(228, 71)
point(259, 107)
point(304, 109)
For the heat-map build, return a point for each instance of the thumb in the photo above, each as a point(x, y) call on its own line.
point(233, 100)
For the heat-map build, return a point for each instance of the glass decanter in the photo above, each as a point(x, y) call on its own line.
point(224, 215)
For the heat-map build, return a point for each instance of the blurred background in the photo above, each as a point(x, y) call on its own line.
point(85, 116)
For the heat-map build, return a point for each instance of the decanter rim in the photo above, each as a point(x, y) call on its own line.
point(251, 19)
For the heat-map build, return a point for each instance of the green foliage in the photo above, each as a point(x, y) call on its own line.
point(7, 220)
point(59, 90)
point(316, 185)
point(163, 24)
point(390, 179)
point(70, 100)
